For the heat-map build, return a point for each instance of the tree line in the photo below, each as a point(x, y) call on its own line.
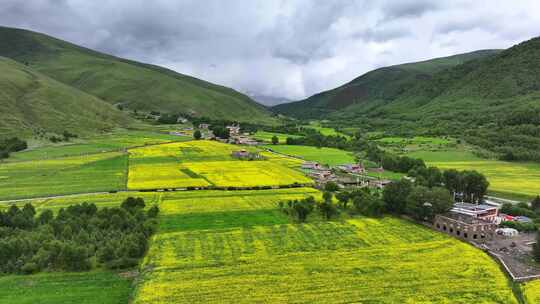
point(77, 238)
point(11, 145)
point(401, 197)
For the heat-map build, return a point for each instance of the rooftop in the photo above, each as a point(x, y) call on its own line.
point(464, 219)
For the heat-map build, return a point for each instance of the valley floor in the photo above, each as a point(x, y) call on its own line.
point(237, 246)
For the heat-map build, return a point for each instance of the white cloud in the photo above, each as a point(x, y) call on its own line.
point(281, 48)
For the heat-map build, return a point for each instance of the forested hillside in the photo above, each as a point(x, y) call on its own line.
point(118, 81)
point(492, 101)
point(375, 88)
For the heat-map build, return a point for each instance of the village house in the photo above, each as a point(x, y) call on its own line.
point(311, 166)
point(352, 168)
point(234, 130)
point(379, 183)
point(204, 126)
point(244, 140)
point(181, 120)
point(481, 211)
point(322, 176)
point(246, 155)
point(469, 222)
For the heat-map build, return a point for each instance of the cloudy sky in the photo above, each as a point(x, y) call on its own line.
point(280, 48)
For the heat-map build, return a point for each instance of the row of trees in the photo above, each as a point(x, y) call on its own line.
point(77, 238)
point(10, 145)
point(403, 197)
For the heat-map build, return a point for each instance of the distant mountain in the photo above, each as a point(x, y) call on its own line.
point(120, 81)
point(269, 100)
point(491, 99)
point(374, 88)
point(33, 104)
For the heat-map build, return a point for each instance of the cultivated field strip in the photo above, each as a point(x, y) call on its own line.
point(204, 256)
point(77, 174)
point(101, 200)
point(531, 292)
point(204, 164)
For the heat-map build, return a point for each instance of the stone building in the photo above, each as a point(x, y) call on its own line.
point(465, 226)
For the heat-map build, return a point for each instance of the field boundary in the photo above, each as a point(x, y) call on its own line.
point(507, 269)
point(161, 190)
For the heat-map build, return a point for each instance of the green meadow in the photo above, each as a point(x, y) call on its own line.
point(76, 174)
point(98, 287)
point(508, 179)
point(114, 141)
point(267, 136)
point(329, 156)
point(325, 130)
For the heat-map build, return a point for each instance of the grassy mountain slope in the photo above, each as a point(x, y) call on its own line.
point(116, 80)
point(34, 104)
point(376, 87)
point(493, 102)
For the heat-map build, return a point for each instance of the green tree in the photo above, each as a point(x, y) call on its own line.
point(132, 203)
point(424, 203)
point(453, 181)
point(153, 211)
point(331, 187)
point(275, 140)
point(536, 248)
point(343, 197)
point(197, 134)
point(475, 186)
point(302, 208)
point(535, 203)
point(327, 208)
point(327, 196)
point(395, 195)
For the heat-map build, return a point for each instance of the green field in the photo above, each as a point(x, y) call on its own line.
point(237, 248)
point(114, 141)
point(506, 178)
point(78, 174)
point(267, 136)
point(329, 156)
point(324, 130)
point(101, 200)
point(97, 287)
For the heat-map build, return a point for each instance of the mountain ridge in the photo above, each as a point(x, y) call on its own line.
point(370, 86)
point(117, 80)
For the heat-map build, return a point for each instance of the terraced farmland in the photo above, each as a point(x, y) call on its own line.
point(78, 174)
point(204, 163)
point(237, 248)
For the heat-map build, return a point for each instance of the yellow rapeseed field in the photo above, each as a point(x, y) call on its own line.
point(237, 248)
point(206, 163)
point(531, 291)
point(246, 173)
point(161, 175)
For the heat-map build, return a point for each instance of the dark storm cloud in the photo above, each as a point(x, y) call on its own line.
point(278, 47)
point(410, 8)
